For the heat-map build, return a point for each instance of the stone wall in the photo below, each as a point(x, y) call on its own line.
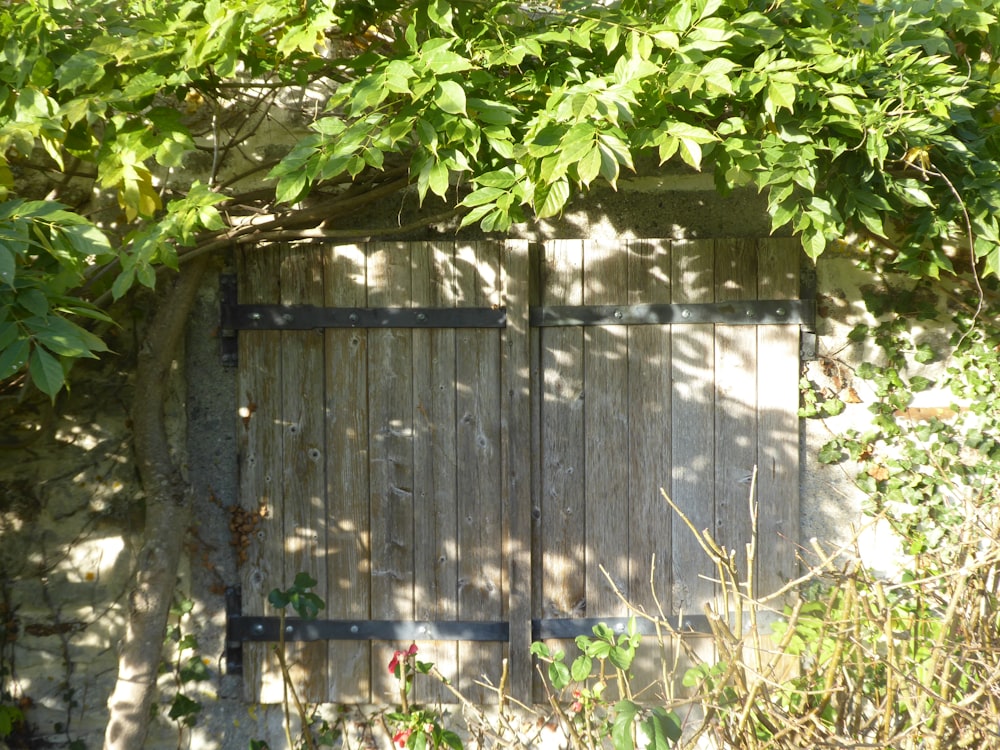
point(71, 507)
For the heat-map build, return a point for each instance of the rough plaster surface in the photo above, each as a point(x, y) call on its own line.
point(71, 511)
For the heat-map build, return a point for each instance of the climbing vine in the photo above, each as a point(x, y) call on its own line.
point(926, 469)
point(855, 118)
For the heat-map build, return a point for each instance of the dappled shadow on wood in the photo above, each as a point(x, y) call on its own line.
point(386, 461)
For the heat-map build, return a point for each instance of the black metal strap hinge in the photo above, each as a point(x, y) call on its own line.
point(753, 312)
point(236, 317)
point(242, 629)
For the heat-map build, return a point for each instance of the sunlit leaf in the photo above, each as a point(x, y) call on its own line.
point(46, 372)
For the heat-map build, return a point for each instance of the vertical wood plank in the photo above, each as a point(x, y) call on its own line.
point(435, 498)
point(649, 448)
point(259, 438)
point(480, 561)
point(563, 518)
point(390, 418)
point(348, 533)
point(303, 455)
point(693, 433)
point(736, 399)
point(515, 412)
point(606, 433)
point(537, 271)
point(778, 371)
point(480, 575)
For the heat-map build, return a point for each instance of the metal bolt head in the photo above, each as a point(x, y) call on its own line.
point(258, 629)
point(685, 313)
point(289, 629)
point(353, 317)
point(421, 317)
point(781, 312)
point(255, 316)
point(354, 628)
point(618, 314)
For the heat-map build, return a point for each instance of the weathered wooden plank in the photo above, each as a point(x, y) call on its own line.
point(777, 421)
point(736, 399)
point(480, 561)
point(649, 448)
point(435, 498)
point(303, 455)
point(515, 413)
point(390, 419)
point(348, 534)
point(606, 434)
point(562, 524)
point(260, 486)
point(536, 270)
point(692, 417)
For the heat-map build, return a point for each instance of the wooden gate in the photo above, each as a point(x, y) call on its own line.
point(464, 443)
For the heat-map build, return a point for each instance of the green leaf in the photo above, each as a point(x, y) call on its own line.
point(612, 37)
point(87, 240)
point(8, 266)
point(482, 196)
point(550, 199)
point(476, 214)
point(831, 453)
point(589, 166)
point(437, 57)
point(13, 358)
point(833, 406)
point(661, 729)
point(491, 112)
point(779, 96)
point(540, 649)
point(813, 243)
point(576, 143)
point(581, 668)
point(194, 671)
point(621, 729)
point(66, 339)
point(304, 581)
point(437, 179)
point(440, 14)
point(450, 97)
point(291, 187)
point(924, 354)
point(844, 104)
point(34, 301)
point(558, 675)
point(46, 372)
point(81, 70)
point(690, 153)
point(621, 657)
point(184, 708)
point(10, 716)
point(278, 599)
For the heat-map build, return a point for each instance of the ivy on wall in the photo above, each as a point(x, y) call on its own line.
point(925, 469)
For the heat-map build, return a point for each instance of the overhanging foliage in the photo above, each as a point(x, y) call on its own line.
point(856, 118)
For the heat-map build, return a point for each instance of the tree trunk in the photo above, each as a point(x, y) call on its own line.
point(167, 512)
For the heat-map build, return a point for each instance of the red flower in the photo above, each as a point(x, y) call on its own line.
point(397, 655)
point(402, 735)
